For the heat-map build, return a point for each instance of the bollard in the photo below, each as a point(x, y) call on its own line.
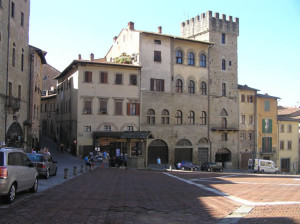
point(75, 170)
point(66, 173)
point(81, 169)
point(170, 167)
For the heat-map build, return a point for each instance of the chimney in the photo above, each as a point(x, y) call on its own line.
point(131, 25)
point(115, 39)
point(79, 57)
point(159, 29)
point(92, 57)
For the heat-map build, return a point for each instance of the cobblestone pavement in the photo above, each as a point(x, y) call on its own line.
point(112, 195)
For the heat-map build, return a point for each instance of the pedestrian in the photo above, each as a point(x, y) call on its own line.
point(87, 162)
point(158, 161)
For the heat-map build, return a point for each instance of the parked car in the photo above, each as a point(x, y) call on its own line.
point(17, 173)
point(44, 164)
point(209, 166)
point(186, 165)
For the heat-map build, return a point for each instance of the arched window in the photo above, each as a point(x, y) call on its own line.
point(178, 86)
point(178, 117)
point(191, 117)
point(191, 87)
point(191, 59)
point(224, 122)
point(165, 119)
point(150, 116)
point(202, 60)
point(178, 57)
point(203, 118)
point(203, 88)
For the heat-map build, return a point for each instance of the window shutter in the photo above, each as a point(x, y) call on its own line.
point(152, 84)
point(137, 109)
point(270, 125)
point(163, 85)
point(128, 108)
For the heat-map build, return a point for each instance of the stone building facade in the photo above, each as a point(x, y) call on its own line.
point(247, 126)
point(189, 93)
point(14, 72)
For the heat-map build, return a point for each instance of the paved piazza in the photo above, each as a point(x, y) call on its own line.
point(262, 198)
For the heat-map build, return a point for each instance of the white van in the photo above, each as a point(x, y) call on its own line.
point(262, 166)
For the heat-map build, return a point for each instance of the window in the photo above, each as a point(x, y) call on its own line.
point(191, 59)
point(150, 116)
point(203, 118)
point(103, 106)
point(87, 106)
point(1, 3)
point(250, 135)
point(229, 63)
point(281, 145)
point(223, 38)
point(267, 144)
point(22, 60)
point(12, 9)
point(282, 128)
point(203, 88)
point(119, 79)
point(191, 87)
point(133, 80)
point(267, 105)
point(243, 119)
point(242, 98)
point(19, 91)
point(267, 125)
point(289, 146)
point(129, 128)
point(22, 19)
point(178, 57)
point(202, 60)
point(224, 136)
point(251, 120)
point(223, 64)
point(13, 56)
point(223, 89)
point(165, 117)
point(133, 108)
point(242, 135)
point(250, 99)
point(34, 111)
point(178, 86)
point(118, 107)
point(107, 128)
point(157, 56)
point(178, 117)
point(191, 117)
point(103, 77)
point(157, 85)
point(157, 42)
point(224, 122)
point(289, 128)
point(88, 76)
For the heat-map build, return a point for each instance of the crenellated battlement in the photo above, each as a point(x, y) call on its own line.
point(207, 22)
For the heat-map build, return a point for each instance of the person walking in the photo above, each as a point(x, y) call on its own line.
point(87, 162)
point(158, 161)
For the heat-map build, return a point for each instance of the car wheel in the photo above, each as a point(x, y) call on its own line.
point(208, 169)
point(182, 168)
point(35, 186)
point(276, 172)
point(262, 171)
point(10, 197)
point(47, 174)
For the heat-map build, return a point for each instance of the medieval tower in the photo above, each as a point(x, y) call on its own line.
point(223, 82)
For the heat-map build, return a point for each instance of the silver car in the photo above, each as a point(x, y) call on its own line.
point(17, 173)
point(44, 164)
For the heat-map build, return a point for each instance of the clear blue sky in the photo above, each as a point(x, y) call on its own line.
point(268, 45)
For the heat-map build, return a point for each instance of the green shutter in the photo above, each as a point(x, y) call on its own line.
point(263, 126)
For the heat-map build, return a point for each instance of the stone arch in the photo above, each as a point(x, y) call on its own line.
point(158, 148)
point(203, 141)
point(223, 155)
point(14, 135)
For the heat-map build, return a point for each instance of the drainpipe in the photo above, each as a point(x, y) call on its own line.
point(30, 87)
point(7, 70)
